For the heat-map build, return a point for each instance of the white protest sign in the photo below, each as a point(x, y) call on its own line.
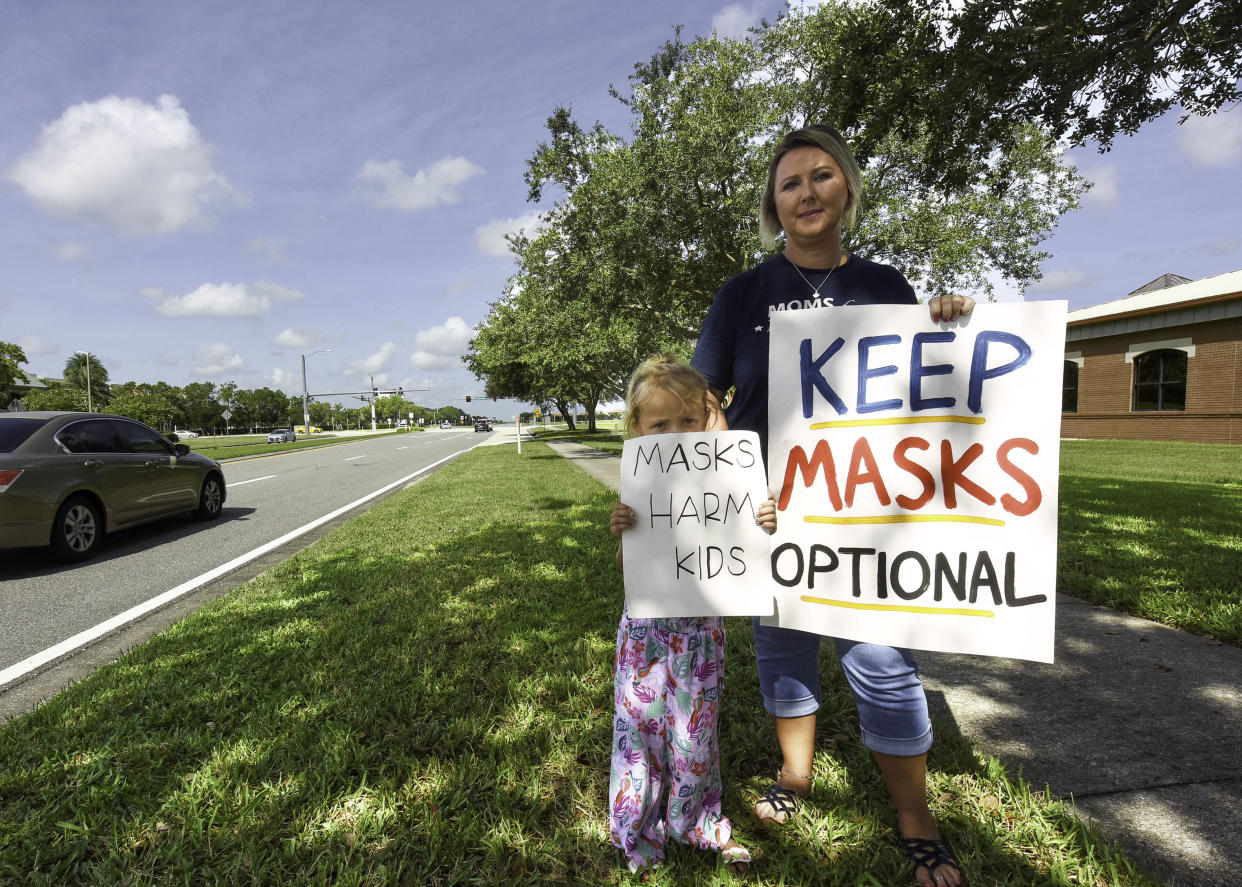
point(695, 549)
point(917, 468)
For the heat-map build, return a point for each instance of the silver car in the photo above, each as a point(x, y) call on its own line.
point(66, 479)
point(282, 435)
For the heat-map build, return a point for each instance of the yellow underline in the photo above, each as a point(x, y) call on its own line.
point(905, 519)
point(906, 420)
point(935, 611)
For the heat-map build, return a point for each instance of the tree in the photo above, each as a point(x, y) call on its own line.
point(199, 404)
point(11, 356)
point(59, 398)
point(646, 230)
point(133, 400)
point(84, 372)
point(1085, 70)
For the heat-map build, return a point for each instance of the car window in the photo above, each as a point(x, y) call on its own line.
point(142, 439)
point(14, 432)
point(91, 436)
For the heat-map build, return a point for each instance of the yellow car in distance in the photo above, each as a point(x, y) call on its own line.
point(314, 429)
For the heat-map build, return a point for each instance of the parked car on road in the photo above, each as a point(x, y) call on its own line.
point(482, 425)
point(282, 435)
point(66, 479)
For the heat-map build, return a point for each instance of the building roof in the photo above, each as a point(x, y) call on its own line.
point(1152, 297)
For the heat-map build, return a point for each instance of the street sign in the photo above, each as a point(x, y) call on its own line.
point(226, 415)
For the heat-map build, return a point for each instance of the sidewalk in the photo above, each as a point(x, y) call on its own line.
point(1139, 724)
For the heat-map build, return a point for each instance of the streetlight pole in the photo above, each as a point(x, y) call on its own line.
point(90, 407)
point(305, 401)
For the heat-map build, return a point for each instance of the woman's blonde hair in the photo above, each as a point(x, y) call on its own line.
point(826, 139)
point(666, 371)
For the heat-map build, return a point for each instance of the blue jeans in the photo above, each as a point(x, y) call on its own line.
point(892, 708)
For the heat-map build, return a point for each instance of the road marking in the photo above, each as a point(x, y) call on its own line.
point(352, 458)
point(239, 483)
point(82, 638)
point(403, 448)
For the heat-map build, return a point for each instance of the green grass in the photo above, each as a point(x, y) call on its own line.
point(1155, 529)
point(606, 438)
point(424, 697)
point(237, 446)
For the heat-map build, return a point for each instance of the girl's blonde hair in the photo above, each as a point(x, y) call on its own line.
point(666, 371)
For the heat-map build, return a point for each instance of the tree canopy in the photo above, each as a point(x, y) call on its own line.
point(645, 229)
point(11, 358)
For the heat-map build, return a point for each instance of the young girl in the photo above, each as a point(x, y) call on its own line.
point(668, 674)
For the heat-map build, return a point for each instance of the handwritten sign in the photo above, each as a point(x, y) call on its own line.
point(695, 549)
point(917, 465)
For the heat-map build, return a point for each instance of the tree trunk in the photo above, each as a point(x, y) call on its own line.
point(568, 413)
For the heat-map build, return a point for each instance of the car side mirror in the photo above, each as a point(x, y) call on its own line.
point(181, 449)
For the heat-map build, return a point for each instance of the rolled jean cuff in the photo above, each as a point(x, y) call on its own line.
point(791, 708)
point(902, 748)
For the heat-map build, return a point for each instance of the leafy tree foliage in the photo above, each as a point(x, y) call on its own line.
point(11, 358)
point(1084, 70)
point(84, 372)
point(646, 230)
point(137, 402)
point(61, 397)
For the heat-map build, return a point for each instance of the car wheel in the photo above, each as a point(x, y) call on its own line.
point(211, 499)
point(77, 530)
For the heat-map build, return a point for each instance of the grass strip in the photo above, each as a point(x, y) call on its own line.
point(1154, 528)
point(424, 697)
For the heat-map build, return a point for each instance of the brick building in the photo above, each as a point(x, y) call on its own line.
point(1164, 363)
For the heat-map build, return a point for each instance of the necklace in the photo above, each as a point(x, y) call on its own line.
point(814, 289)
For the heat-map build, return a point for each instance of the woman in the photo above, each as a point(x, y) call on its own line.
point(813, 186)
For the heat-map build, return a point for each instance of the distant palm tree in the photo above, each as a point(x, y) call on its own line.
point(84, 372)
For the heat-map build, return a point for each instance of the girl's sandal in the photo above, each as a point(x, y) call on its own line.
point(736, 859)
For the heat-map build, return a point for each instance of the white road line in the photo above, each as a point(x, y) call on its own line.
point(403, 448)
point(352, 458)
point(29, 664)
point(238, 483)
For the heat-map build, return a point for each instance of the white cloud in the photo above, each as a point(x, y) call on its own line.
point(386, 183)
point(284, 378)
point(269, 250)
point(376, 364)
point(1212, 141)
point(223, 299)
point(213, 361)
point(1103, 191)
point(735, 19)
point(33, 346)
point(1061, 281)
point(291, 338)
point(441, 347)
point(490, 240)
point(69, 251)
point(123, 163)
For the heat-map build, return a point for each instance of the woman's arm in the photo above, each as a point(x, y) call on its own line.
point(715, 415)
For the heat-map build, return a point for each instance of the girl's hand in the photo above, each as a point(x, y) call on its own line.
point(767, 514)
point(950, 307)
point(622, 519)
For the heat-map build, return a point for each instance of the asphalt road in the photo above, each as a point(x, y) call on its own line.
point(43, 602)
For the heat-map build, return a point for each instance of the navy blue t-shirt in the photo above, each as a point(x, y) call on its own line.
point(733, 345)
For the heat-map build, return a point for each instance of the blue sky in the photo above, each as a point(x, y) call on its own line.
point(205, 192)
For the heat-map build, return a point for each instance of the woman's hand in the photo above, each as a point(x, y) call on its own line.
point(621, 520)
point(950, 307)
point(767, 514)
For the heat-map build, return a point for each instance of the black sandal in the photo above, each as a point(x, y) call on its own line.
point(784, 802)
point(930, 854)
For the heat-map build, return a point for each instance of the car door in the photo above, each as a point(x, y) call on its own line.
point(171, 486)
point(107, 466)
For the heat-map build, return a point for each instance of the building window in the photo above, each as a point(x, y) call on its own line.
point(1069, 387)
point(1160, 380)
